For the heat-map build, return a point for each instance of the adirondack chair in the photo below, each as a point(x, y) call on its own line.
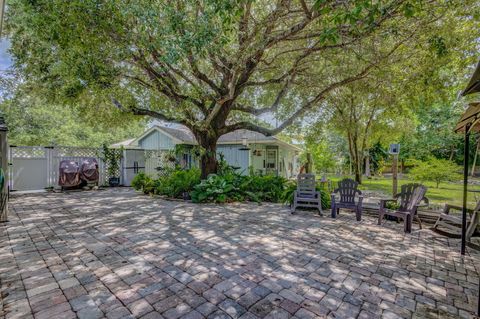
point(403, 198)
point(408, 211)
point(348, 189)
point(451, 226)
point(306, 194)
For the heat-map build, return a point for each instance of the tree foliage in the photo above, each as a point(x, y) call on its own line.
point(413, 100)
point(212, 65)
point(35, 121)
point(435, 170)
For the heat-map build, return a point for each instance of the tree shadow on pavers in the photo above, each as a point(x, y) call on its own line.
point(266, 242)
point(364, 251)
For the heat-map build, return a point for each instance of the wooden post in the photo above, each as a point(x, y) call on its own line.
point(394, 174)
point(367, 165)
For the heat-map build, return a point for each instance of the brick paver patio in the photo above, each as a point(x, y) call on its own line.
point(118, 254)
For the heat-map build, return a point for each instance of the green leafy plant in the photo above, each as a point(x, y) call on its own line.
point(178, 182)
point(143, 182)
point(392, 205)
point(112, 157)
point(218, 189)
point(268, 188)
point(435, 170)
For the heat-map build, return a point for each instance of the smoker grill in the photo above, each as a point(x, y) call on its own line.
point(89, 171)
point(69, 174)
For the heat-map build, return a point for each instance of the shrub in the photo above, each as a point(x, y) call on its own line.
point(178, 182)
point(291, 187)
point(143, 182)
point(138, 181)
point(231, 187)
point(267, 188)
point(218, 189)
point(435, 170)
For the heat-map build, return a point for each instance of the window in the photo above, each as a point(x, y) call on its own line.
point(271, 159)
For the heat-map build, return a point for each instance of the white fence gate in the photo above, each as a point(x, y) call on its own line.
point(37, 167)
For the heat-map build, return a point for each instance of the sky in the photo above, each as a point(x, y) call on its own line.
point(5, 59)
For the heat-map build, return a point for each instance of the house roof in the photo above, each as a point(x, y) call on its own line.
point(184, 136)
point(180, 134)
point(123, 143)
point(470, 117)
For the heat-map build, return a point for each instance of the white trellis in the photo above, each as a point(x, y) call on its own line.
point(157, 162)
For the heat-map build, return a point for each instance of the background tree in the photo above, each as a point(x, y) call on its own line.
point(323, 157)
point(36, 121)
point(362, 114)
point(436, 170)
point(414, 100)
point(209, 65)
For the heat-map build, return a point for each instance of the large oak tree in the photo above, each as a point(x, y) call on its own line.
point(210, 65)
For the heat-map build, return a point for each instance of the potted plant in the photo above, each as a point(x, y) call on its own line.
point(111, 158)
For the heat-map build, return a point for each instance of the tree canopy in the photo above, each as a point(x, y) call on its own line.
point(214, 66)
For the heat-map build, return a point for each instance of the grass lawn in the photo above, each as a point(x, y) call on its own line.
point(451, 193)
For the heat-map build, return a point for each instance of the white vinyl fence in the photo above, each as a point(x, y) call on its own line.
point(37, 167)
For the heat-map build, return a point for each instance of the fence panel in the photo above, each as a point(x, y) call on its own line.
point(37, 167)
point(29, 169)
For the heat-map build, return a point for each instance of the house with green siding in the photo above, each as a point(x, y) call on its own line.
point(262, 154)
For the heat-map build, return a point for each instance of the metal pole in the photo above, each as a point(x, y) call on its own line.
point(465, 184)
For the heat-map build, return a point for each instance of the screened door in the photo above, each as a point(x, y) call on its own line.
point(271, 161)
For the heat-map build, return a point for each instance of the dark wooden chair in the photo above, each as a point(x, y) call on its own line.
point(306, 194)
point(403, 198)
point(406, 212)
point(348, 189)
point(450, 225)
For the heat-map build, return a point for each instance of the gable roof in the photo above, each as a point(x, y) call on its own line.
point(123, 143)
point(184, 136)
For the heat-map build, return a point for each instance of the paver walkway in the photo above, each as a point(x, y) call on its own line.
point(118, 254)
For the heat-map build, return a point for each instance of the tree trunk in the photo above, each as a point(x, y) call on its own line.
point(452, 152)
point(358, 174)
point(355, 157)
point(208, 160)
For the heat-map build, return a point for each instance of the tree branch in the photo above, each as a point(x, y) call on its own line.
point(202, 77)
point(141, 111)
